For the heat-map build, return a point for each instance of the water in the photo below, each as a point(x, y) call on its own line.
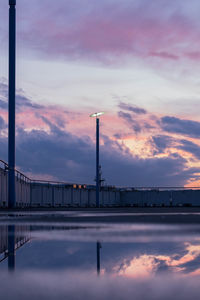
point(88, 260)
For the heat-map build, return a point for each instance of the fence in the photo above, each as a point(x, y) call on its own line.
point(161, 197)
point(64, 195)
point(32, 193)
point(22, 184)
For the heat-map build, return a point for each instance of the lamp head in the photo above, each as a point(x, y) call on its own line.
point(97, 114)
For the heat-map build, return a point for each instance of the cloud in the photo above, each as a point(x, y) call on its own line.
point(3, 124)
point(132, 108)
point(70, 158)
point(134, 124)
point(106, 30)
point(180, 126)
point(21, 100)
point(134, 117)
point(3, 104)
point(48, 145)
point(190, 147)
point(30, 114)
point(161, 142)
point(165, 55)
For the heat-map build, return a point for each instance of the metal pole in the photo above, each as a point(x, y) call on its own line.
point(97, 163)
point(98, 258)
point(11, 93)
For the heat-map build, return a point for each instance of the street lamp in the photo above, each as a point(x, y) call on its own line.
point(97, 115)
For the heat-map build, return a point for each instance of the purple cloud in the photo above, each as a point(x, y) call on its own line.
point(180, 126)
point(190, 147)
point(70, 158)
point(134, 124)
point(161, 142)
point(3, 124)
point(132, 108)
point(21, 100)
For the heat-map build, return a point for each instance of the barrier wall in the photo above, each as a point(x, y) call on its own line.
point(3, 188)
point(23, 190)
point(160, 198)
point(58, 195)
point(37, 194)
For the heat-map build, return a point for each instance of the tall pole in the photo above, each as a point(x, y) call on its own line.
point(97, 163)
point(97, 114)
point(11, 95)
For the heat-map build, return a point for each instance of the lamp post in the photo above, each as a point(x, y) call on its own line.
point(97, 115)
point(11, 96)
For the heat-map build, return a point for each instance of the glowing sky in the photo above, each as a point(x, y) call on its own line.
point(138, 60)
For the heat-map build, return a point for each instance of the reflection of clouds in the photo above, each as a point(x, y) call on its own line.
point(147, 265)
point(142, 266)
point(82, 285)
point(193, 251)
point(72, 250)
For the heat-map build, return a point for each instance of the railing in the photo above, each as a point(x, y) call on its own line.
point(25, 178)
point(18, 240)
point(31, 192)
point(5, 165)
point(19, 175)
point(159, 188)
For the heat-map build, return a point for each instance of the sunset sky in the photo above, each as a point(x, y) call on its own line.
point(137, 60)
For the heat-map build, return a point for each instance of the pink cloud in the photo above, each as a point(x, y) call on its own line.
point(194, 55)
point(108, 31)
point(164, 55)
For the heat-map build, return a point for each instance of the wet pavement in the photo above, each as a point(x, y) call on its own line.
point(44, 257)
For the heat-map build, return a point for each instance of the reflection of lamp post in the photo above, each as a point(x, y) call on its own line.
point(98, 258)
point(97, 115)
point(11, 122)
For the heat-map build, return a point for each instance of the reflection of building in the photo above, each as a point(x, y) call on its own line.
point(12, 237)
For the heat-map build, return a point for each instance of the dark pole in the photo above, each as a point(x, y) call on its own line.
point(11, 247)
point(97, 163)
point(11, 95)
point(98, 258)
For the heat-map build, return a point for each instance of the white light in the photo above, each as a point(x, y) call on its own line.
point(97, 114)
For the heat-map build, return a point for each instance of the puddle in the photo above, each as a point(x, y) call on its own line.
point(98, 261)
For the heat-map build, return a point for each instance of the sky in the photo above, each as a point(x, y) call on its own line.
point(137, 60)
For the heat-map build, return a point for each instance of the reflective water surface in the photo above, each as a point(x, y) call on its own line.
point(98, 261)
